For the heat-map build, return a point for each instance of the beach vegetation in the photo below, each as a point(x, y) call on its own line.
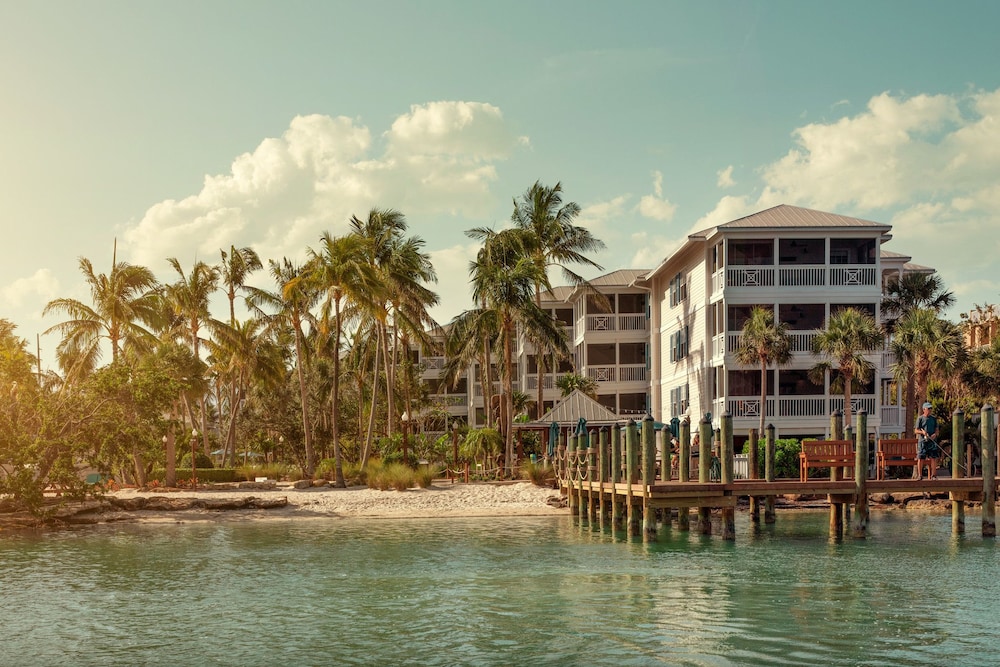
point(786, 457)
point(538, 473)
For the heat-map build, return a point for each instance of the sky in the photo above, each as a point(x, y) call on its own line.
point(176, 129)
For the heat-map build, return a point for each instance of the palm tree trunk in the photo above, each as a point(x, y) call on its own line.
point(909, 401)
point(338, 466)
point(390, 390)
point(304, 398)
point(371, 415)
point(848, 381)
point(508, 399)
point(763, 400)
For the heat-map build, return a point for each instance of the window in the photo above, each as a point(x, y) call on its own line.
point(632, 403)
point(802, 316)
point(738, 315)
point(716, 257)
point(747, 383)
point(601, 354)
point(564, 316)
point(632, 353)
point(751, 253)
point(866, 308)
point(801, 251)
point(797, 383)
point(679, 343)
point(678, 290)
point(632, 303)
point(680, 400)
point(852, 251)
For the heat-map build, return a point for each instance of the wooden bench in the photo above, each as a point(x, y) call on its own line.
point(891, 452)
point(825, 454)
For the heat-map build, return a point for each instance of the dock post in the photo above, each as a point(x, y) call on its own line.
point(631, 477)
point(583, 456)
point(753, 461)
point(684, 472)
point(648, 476)
point(769, 472)
point(836, 508)
point(704, 461)
point(726, 472)
point(602, 473)
point(988, 449)
point(861, 477)
point(617, 520)
point(592, 477)
point(957, 457)
point(572, 470)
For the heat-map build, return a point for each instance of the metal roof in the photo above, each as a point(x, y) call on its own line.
point(568, 411)
point(784, 215)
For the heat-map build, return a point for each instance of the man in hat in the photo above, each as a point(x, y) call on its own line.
point(927, 448)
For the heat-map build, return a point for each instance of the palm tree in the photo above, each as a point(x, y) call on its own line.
point(341, 269)
point(848, 336)
point(925, 344)
point(291, 303)
point(236, 267)
point(983, 373)
point(552, 240)
point(763, 342)
point(503, 279)
point(571, 382)
point(244, 355)
point(123, 301)
point(189, 297)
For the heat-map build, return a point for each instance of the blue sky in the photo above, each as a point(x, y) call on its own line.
point(184, 127)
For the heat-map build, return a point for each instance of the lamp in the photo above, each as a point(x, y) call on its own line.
point(194, 465)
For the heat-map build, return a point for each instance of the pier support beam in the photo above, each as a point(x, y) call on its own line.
point(572, 470)
point(684, 472)
point(957, 458)
point(861, 477)
point(633, 508)
point(753, 461)
point(726, 472)
point(988, 456)
point(603, 473)
point(649, 476)
point(769, 516)
point(704, 462)
point(617, 514)
point(836, 508)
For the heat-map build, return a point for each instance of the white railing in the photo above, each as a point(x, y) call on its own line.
point(632, 373)
point(802, 341)
point(718, 345)
point(802, 406)
point(601, 373)
point(741, 276)
point(433, 363)
point(718, 281)
point(732, 342)
point(892, 416)
point(741, 466)
point(888, 359)
point(531, 382)
point(802, 276)
point(600, 322)
point(497, 388)
point(633, 322)
point(748, 407)
point(852, 275)
point(858, 403)
point(452, 400)
point(612, 322)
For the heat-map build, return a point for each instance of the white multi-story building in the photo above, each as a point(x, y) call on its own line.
point(664, 342)
point(805, 265)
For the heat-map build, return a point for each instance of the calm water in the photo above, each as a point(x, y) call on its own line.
point(499, 592)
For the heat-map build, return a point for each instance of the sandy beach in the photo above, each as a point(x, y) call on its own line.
point(442, 499)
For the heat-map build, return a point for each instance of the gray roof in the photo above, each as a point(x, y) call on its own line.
point(795, 216)
point(568, 411)
point(619, 278)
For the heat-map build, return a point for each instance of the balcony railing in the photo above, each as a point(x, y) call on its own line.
point(801, 276)
point(797, 406)
point(451, 400)
point(497, 388)
point(892, 416)
point(801, 341)
point(858, 403)
point(602, 373)
point(613, 322)
point(632, 373)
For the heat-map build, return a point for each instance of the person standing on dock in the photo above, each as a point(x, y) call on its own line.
point(927, 448)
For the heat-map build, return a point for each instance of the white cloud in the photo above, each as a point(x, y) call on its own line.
point(652, 249)
point(438, 159)
point(725, 177)
point(35, 290)
point(656, 206)
point(452, 267)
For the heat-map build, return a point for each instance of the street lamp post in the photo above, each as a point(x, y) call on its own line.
point(405, 418)
point(194, 465)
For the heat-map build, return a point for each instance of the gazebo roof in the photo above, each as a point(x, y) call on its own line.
point(568, 411)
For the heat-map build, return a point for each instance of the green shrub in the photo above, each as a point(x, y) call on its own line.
point(391, 476)
point(275, 471)
point(205, 475)
point(424, 477)
point(200, 461)
point(786, 457)
point(539, 474)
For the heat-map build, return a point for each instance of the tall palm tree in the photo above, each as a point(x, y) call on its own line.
point(342, 271)
point(552, 240)
point(236, 267)
point(571, 382)
point(925, 344)
point(983, 373)
point(244, 355)
point(189, 298)
point(848, 336)
point(291, 304)
point(503, 279)
point(124, 303)
point(763, 342)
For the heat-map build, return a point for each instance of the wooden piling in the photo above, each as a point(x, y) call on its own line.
point(988, 450)
point(836, 508)
point(957, 457)
point(648, 476)
point(617, 515)
point(861, 477)
point(572, 468)
point(603, 457)
point(592, 499)
point(769, 516)
point(726, 473)
point(752, 463)
point(632, 508)
point(684, 471)
point(704, 461)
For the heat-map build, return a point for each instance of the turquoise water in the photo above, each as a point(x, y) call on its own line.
point(514, 591)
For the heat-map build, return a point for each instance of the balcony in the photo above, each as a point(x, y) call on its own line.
point(797, 406)
point(802, 341)
point(612, 322)
point(619, 373)
point(802, 276)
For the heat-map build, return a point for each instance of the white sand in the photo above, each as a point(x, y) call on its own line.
point(441, 500)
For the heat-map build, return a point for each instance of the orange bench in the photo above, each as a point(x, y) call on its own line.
point(891, 452)
point(825, 454)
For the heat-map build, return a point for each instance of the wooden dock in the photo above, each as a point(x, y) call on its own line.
point(621, 484)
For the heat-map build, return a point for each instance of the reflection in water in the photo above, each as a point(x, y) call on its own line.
point(540, 591)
